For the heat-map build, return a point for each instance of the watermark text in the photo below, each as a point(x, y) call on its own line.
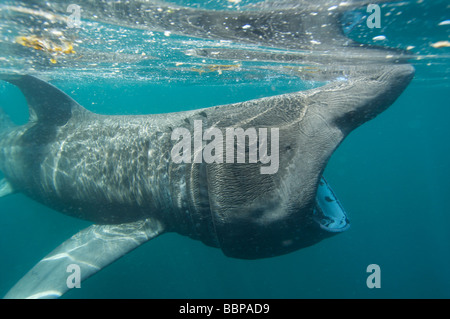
point(237, 150)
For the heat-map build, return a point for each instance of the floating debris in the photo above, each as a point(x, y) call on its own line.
point(445, 22)
point(302, 69)
point(379, 38)
point(46, 45)
point(219, 68)
point(441, 44)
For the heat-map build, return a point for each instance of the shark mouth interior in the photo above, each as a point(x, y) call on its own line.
point(329, 213)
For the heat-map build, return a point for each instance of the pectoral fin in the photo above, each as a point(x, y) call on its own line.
point(91, 250)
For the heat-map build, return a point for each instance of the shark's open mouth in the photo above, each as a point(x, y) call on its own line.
point(329, 213)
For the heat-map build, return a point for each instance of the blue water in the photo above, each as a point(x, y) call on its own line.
point(391, 174)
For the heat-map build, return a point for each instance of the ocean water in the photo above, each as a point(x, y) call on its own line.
point(391, 174)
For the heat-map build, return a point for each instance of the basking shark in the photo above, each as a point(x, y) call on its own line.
point(119, 172)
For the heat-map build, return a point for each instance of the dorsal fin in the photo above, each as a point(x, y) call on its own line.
point(47, 104)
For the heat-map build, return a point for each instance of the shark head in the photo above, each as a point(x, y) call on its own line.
point(256, 215)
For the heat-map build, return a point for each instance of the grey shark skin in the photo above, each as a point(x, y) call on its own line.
point(117, 172)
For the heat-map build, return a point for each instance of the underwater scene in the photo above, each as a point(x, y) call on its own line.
point(263, 149)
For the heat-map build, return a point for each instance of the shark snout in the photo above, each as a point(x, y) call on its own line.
point(398, 74)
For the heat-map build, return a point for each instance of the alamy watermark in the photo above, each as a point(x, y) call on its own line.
point(213, 151)
point(374, 20)
point(74, 20)
point(374, 279)
point(74, 279)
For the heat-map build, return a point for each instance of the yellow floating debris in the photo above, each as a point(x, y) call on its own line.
point(219, 68)
point(46, 45)
point(302, 69)
point(42, 44)
point(441, 44)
